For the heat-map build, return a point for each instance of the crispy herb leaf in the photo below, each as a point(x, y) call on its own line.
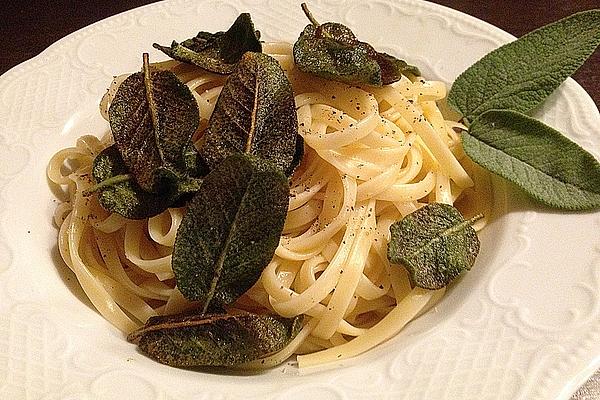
point(214, 339)
point(127, 198)
point(153, 117)
point(255, 114)
point(392, 68)
point(230, 231)
point(219, 52)
point(195, 167)
point(331, 51)
point(435, 244)
point(333, 58)
point(520, 75)
point(540, 160)
point(298, 156)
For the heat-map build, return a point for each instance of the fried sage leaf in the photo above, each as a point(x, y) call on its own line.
point(255, 114)
point(218, 52)
point(224, 340)
point(230, 230)
point(153, 117)
point(298, 156)
point(125, 197)
point(331, 51)
point(520, 75)
point(195, 167)
point(547, 165)
point(435, 244)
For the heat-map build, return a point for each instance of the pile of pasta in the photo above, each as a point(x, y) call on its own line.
point(372, 156)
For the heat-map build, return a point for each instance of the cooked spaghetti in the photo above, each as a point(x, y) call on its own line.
point(372, 156)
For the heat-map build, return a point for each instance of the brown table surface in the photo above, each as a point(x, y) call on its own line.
point(27, 28)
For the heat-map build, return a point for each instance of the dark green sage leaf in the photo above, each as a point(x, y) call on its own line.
point(255, 114)
point(195, 167)
point(520, 75)
point(298, 156)
point(230, 230)
point(127, 198)
point(435, 244)
point(547, 165)
point(219, 52)
point(392, 68)
point(153, 117)
point(224, 340)
point(331, 51)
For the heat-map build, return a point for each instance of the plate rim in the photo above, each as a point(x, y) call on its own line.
point(42, 56)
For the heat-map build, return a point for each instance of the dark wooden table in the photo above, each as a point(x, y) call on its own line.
point(27, 28)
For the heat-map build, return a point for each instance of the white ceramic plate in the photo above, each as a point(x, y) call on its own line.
point(524, 324)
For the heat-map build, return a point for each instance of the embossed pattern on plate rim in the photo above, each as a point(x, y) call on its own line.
point(571, 88)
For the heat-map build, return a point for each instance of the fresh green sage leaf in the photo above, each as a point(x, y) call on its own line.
point(255, 114)
point(435, 244)
point(126, 197)
point(153, 117)
point(332, 51)
point(230, 230)
point(224, 340)
point(219, 52)
point(547, 165)
point(520, 75)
